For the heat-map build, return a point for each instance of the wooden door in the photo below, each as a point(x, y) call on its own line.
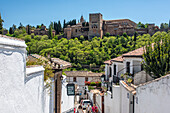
point(102, 104)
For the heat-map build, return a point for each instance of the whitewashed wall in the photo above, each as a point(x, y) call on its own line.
point(133, 61)
point(99, 102)
point(21, 91)
point(67, 102)
point(141, 77)
point(126, 98)
point(108, 102)
point(153, 97)
point(112, 105)
point(90, 96)
point(116, 99)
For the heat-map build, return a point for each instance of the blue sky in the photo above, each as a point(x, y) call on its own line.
point(35, 12)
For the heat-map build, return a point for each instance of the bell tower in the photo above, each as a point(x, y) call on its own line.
point(95, 25)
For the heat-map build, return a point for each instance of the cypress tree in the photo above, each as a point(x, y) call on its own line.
point(64, 25)
point(1, 24)
point(28, 29)
point(14, 28)
point(56, 27)
point(59, 27)
point(11, 30)
point(50, 34)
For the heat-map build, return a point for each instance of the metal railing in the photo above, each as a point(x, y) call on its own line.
point(118, 73)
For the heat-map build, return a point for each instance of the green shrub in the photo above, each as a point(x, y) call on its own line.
point(90, 88)
point(92, 83)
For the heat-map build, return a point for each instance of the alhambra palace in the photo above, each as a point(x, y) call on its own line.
point(97, 26)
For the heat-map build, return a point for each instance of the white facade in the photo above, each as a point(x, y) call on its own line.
point(135, 64)
point(126, 99)
point(112, 105)
point(67, 102)
point(80, 81)
point(99, 102)
point(21, 89)
point(121, 67)
point(108, 102)
point(153, 97)
point(121, 101)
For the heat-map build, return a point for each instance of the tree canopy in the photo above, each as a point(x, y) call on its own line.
point(156, 56)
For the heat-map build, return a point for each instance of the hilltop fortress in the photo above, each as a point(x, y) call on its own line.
point(97, 26)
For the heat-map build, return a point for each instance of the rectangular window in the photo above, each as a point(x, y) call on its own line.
point(128, 67)
point(110, 72)
point(86, 79)
point(74, 79)
point(114, 69)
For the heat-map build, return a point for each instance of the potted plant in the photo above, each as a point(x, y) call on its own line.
point(87, 83)
point(122, 76)
point(93, 84)
point(129, 81)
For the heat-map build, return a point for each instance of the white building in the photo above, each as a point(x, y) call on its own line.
point(131, 63)
point(22, 88)
point(145, 95)
point(79, 77)
point(153, 96)
point(67, 102)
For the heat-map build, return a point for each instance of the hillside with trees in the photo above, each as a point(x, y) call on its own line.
point(79, 51)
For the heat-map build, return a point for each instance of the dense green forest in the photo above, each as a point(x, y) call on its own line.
point(79, 51)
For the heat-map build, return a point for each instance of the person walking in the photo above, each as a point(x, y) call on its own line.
point(80, 109)
point(94, 109)
point(88, 109)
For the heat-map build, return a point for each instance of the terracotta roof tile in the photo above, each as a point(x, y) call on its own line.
point(107, 62)
point(95, 80)
point(128, 87)
point(118, 59)
point(39, 57)
point(137, 52)
point(82, 74)
point(63, 63)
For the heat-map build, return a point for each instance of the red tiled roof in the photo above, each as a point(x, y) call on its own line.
point(118, 20)
point(137, 52)
point(128, 87)
point(39, 57)
point(82, 74)
point(119, 59)
point(63, 63)
point(107, 62)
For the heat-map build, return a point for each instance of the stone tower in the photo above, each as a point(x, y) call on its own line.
point(68, 32)
point(81, 19)
point(95, 25)
point(151, 29)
